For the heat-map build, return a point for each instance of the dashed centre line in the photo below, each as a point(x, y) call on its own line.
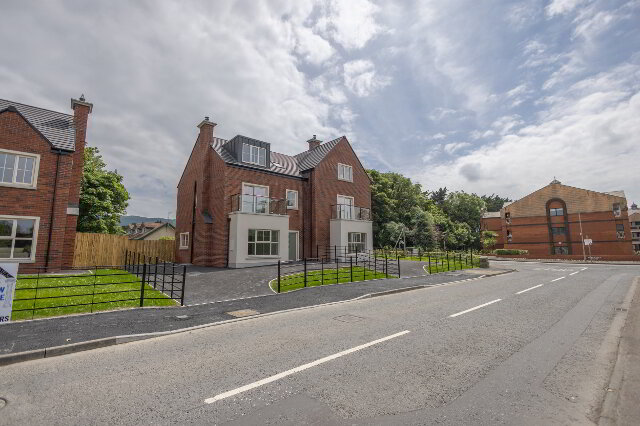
point(300, 368)
point(558, 279)
point(530, 288)
point(474, 308)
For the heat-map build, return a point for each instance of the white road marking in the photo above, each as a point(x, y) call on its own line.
point(558, 279)
point(530, 288)
point(573, 273)
point(474, 308)
point(299, 369)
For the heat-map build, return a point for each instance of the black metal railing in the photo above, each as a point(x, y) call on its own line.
point(347, 211)
point(90, 289)
point(258, 204)
point(436, 261)
point(311, 272)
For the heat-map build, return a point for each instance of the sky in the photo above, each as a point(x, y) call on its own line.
point(486, 97)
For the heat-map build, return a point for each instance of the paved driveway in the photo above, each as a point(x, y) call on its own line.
point(206, 284)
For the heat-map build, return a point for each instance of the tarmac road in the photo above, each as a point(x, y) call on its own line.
point(532, 347)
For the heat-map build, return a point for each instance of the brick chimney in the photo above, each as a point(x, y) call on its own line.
point(81, 110)
point(206, 131)
point(314, 143)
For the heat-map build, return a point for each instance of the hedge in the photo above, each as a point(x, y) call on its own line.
point(510, 251)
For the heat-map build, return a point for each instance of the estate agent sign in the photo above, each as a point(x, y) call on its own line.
point(8, 274)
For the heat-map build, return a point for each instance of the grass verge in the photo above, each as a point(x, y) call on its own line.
point(328, 276)
point(107, 289)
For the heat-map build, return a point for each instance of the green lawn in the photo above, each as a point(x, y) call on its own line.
point(107, 288)
point(316, 278)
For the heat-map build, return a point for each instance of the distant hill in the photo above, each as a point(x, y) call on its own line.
point(126, 220)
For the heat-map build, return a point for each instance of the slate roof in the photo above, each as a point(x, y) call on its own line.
point(282, 163)
point(56, 127)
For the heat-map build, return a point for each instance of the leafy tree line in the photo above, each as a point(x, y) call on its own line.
point(402, 210)
point(103, 197)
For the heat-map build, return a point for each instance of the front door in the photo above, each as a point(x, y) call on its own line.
point(293, 245)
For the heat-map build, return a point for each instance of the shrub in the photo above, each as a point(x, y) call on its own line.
point(510, 251)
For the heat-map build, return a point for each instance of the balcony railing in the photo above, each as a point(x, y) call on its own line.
point(346, 211)
point(258, 204)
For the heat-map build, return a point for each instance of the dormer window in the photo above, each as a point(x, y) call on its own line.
point(254, 155)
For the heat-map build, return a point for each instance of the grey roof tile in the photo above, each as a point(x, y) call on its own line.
point(56, 127)
point(290, 165)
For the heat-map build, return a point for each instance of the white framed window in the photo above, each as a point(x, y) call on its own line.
point(344, 209)
point(18, 238)
point(292, 199)
point(19, 169)
point(357, 242)
point(263, 242)
point(345, 172)
point(254, 154)
point(255, 198)
point(184, 240)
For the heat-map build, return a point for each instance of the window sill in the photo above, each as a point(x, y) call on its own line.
point(292, 208)
point(17, 261)
point(18, 186)
point(346, 180)
point(183, 248)
point(257, 256)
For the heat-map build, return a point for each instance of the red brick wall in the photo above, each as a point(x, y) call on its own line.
point(326, 188)
point(532, 233)
point(218, 183)
point(16, 134)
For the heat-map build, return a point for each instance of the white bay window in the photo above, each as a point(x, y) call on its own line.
point(18, 237)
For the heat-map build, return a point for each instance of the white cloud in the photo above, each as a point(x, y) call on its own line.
point(312, 47)
point(453, 147)
point(361, 78)
point(438, 136)
point(350, 23)
point(587, 138)
point(561, 7)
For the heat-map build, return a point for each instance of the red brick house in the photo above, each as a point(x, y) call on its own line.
point(241, 204)
point(554, 220)
point(41, 166)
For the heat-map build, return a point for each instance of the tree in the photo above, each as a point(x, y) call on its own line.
point(103, 198)
point(489, 239)
point(467, 208)
point(393, 199)
point(494, 202)
point(439, 196)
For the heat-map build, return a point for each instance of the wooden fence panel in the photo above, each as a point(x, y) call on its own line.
point(106, 249)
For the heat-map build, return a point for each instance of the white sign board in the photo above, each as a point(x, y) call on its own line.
point(8, 274)
point(588, 241)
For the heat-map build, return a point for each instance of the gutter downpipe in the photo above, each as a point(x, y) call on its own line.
point(53, 207)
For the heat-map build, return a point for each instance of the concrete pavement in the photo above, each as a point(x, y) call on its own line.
point(538, 354)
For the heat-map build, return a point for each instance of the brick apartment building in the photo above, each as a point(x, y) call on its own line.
point(552, 221)
point(41, 166)
point(241, 204)
point(634, 222)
